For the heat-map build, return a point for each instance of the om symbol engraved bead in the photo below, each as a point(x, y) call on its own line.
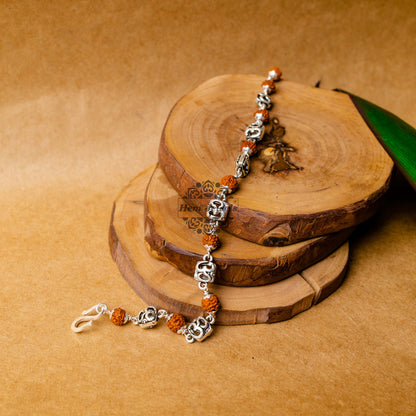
point(254, 132)
point(205, 270)
point(217, 210)
point(263, 101)
point(198, 330)
point(148, 317)
point(242, 165)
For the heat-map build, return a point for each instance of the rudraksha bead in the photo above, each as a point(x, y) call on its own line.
point(211, 240)
point(176, 322)
point(211, 303)
point(231, 182)
point(275, 73)
point(118, 316)
point(263, 114)
point(269, 83)
point(251, 145)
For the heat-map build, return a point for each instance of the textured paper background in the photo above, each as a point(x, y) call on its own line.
point(85, 90)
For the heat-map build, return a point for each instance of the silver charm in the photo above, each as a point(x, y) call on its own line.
point(263, 101)
point(222, 195)
point(198, 330)
point(242, 165)
point(266, 89)
point(254, 132)
point(214, 225)
point(205, 270)
point(148, 317)
point(217, 210)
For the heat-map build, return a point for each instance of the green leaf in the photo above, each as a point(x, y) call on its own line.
point(396, 136)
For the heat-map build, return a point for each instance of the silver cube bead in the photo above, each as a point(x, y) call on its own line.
point(217, 210)
point(242, 165)
point(198, 330)
point(254, 132)
point(148, 317)
point(205, 270)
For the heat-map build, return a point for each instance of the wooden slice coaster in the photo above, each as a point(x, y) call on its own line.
point(174, 229)
point(161, 285)
point(323, 172)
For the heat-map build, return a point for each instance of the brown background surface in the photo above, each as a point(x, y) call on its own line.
point(85, 90)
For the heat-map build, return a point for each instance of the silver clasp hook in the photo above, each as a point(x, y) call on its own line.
point(101, 309)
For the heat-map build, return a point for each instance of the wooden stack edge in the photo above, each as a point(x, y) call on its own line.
point(173, 232)
point(161, 285)
point(270, 229)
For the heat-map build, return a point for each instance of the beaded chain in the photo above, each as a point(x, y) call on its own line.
point(217, 210)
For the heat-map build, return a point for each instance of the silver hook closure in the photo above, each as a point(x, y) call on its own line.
point(101, 309)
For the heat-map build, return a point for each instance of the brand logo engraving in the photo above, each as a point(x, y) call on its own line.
point(191, 212)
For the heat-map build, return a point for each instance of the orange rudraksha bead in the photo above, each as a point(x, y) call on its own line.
point(262, 115)
point(230, 182)
point(211, 240)
point(118, 316)
point(251, 145)
point(275, 73)
point(269, 83)
point(176, 322)
point(211, 304)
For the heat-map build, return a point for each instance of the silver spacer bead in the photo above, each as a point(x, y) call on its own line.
point(263, 101)
point(210, 317)
point(203, 286)
point(266, 89)
point(222, 195)
point(214, 225)
point(242, 165)
point(162, 313)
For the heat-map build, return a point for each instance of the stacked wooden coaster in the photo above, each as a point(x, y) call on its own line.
point(319, 172)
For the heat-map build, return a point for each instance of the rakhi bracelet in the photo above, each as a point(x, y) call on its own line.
point(217, 211)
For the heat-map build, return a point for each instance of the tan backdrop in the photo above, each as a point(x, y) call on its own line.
point(85, 90)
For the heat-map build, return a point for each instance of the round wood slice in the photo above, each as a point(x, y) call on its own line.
point(174, 229)
point(161, 285)
point(323, 172)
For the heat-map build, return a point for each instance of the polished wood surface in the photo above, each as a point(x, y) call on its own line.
point(325, 172)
